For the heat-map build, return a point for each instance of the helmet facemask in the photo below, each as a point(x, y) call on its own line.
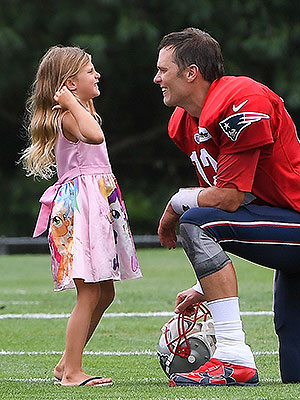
point(187, 341)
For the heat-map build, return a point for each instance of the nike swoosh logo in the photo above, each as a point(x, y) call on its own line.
point(237, 108)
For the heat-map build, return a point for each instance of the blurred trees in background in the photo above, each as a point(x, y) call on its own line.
point(259, 38)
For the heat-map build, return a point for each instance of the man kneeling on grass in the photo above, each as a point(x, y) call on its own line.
point(246, 152)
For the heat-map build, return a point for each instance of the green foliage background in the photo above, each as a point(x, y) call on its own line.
point(259, 38)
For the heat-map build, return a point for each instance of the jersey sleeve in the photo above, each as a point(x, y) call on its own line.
point(245, 123)
point(237, 170)
point(181, 126)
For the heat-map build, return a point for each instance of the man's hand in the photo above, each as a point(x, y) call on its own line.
point(186, 300)
point(167, 228)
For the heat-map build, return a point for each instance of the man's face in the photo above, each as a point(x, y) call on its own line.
point(172, 82)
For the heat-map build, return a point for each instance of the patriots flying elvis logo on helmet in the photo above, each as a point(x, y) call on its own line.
point(233, 125)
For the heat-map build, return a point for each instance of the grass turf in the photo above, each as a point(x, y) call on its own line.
point(31, 347)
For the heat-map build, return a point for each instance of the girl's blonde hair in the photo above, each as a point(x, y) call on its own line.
point(56, 66)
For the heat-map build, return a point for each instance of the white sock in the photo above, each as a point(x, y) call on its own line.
point(230, 337)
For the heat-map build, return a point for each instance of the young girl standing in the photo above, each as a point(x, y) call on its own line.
point(89, 237)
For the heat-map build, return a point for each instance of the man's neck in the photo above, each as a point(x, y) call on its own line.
point(195, 102)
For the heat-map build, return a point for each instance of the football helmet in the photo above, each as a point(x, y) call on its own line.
point(187, 341)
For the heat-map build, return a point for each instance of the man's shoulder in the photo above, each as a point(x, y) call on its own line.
point(181, 119)
point(238, 84)
point(231, 93)
point(178, 113)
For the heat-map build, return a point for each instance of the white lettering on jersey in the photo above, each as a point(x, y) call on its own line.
point(204, 160)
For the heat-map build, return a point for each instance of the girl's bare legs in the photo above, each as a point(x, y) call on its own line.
point(92, 300)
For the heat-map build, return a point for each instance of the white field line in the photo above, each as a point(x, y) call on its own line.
point(107, 353)
point(18, 302)
point(88, 353)
point(116, 315)
point(132, 380)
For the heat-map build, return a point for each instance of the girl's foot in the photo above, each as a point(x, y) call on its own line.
point(58, 373)
point(85, 380)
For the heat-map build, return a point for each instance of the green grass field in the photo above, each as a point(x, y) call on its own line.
point(124, 347)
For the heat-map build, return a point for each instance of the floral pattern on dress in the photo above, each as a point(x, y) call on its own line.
point(61, 231)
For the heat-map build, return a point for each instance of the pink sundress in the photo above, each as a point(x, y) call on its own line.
point(89, 234)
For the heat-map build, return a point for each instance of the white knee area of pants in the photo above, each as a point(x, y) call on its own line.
point(205, 254)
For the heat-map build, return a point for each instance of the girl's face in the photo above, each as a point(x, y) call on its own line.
point(86, 82)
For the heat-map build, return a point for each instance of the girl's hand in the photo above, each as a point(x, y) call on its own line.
point(64, 98)
point(78, 123)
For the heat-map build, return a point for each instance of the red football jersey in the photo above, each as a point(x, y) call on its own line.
point(244, 138)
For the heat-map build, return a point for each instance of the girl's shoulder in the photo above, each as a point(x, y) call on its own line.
point(66, 126)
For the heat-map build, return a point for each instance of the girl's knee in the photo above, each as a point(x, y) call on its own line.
point(88, 294)
point(93, 295)
point(107, 291)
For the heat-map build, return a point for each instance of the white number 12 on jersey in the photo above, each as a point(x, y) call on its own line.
point(204, 160)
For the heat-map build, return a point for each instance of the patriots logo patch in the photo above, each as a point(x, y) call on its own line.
point(233, 125)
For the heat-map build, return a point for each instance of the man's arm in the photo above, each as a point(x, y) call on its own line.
point(167, 227)
point(227, 199)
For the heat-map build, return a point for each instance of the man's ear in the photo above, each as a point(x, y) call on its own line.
point(192, 72)
point(71, 84)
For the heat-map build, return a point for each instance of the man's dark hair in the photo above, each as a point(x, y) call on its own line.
point(193, 46)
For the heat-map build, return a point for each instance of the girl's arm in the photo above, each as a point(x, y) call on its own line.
point(78, 123)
